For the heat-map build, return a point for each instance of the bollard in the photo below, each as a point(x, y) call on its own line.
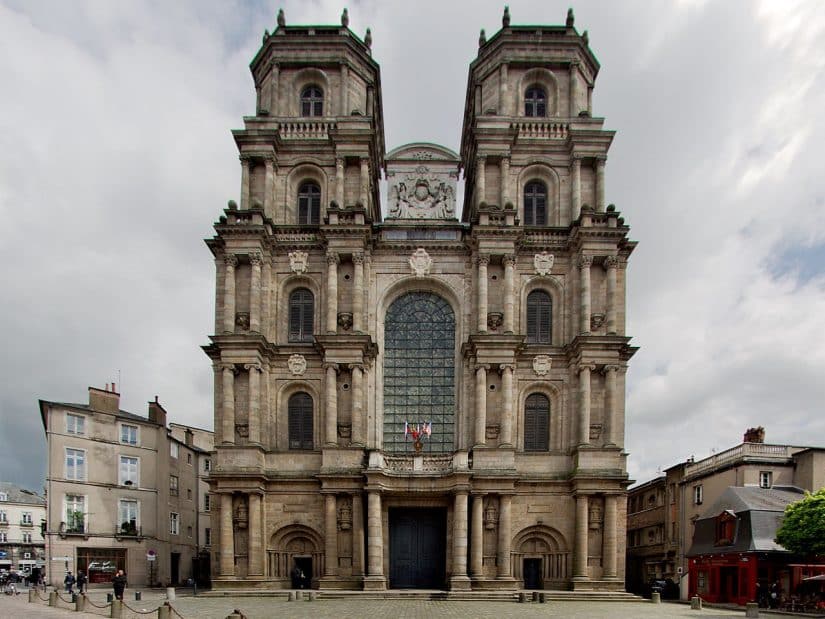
point(138, 596)
point(32, 595)
point(313, 595)
point(522, 597)
point(535, 596)
point(53, 598)
point(74, 597)
point(696, 603)
point(291, 596)
point(752, 610)
point(80, 603)
point(117, 609)
point(542, 597)
point(299, 595)
point(164, 611)
point(170, 593)
point(656, 597)
point(110, 597)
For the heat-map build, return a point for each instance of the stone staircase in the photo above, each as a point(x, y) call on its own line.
point(435, 594)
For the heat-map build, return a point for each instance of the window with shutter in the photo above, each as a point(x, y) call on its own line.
point(535, 101)
point(539, 317)
point(535, 204)
point(536, 423)
point(301, 308)
point(300, 421)
point(309, 204)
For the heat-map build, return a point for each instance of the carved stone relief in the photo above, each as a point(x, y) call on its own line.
point(421, 195)
point(495, 320)
point(345, 515)
point(242, 320)
point(345, 320)
point(543, 262)
point(298, 261)
point(596, 321)
point(541, 365)
point(420, 262)
point(297, 364)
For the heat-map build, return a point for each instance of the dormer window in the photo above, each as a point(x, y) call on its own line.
point(725, 528)
point(312, 101)
point(535, 102)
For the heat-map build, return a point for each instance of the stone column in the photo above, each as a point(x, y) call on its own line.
point(584, 402)
point(503, 107)
point(600, 184)
point(266, 283)
point(339, 181)
point(365, 182)
point(357, 534)
point(504, 519)
point(509, 261)
point(585, 262)
point(505, 181)
point(273, 91)
point(344, 90)
point(228, 419)
point(610, 404)
point(507, 409)
point(227, 560)
point(580, 550)
point(358, 292)
point(330, 535)
point(459, 572)
point(481, 405)
point(231, 261)
point(609, 536)
point(481, 163)
point(269, 181)
point(375, 536)
point(482, 261)
point(357, 404)
point(256, 562)
point(611, 264)
point(332, 292)
point(331, 433)
point(255, 293)
point(477, 540)
point(574, 89)
point(246, 169)
point(254, 370)
point(575, 187)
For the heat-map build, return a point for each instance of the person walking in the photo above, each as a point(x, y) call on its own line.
point(119, 584)
point(81, 581)
point(69, 582)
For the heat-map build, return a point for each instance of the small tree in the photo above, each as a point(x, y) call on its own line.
point(803, 528)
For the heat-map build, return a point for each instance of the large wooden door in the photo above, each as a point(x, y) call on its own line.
point(417, 548)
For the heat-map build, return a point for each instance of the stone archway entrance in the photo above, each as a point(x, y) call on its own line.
point(418, 542)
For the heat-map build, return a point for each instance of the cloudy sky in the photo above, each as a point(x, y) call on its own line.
point(116, 158)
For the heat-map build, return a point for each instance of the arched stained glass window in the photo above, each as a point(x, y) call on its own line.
point(536, 423)
point(419, 371)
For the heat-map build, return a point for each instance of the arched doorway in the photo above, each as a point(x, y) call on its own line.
point(295, 546)
point(540, 558)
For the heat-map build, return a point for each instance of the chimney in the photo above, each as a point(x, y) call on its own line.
point(188, 438)
point(754, 435)
point(104, 400)
point(157, 413)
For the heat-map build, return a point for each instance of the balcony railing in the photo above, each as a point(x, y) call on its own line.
point(740, 452)
point(67, 529)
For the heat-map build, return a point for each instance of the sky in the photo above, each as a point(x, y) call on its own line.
point(116, 158)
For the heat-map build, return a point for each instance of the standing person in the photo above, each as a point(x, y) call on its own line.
point(69, 581)
point(119, 584)
point(81, 581)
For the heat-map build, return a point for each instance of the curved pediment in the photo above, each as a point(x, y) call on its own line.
point(422, 151)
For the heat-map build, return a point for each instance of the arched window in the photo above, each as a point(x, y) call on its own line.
point(300, 421)
point(539, 317)
point(309, 204)
point(419, 371)
point(536, 423)
point(301, 315)
point(312, 101)
point(535, 101)
point(535, 204)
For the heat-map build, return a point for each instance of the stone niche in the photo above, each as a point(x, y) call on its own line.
point(421, 182)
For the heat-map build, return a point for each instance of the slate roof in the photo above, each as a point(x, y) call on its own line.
point(21, 495)
point(121, 414)
point(759, 512)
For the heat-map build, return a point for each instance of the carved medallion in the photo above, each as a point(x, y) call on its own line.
point(596, 321)
point(541, 365)
point(420, 262)
point(298, 261)
point(543, 262)
point(297, 364)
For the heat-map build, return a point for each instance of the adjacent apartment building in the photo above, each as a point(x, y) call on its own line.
point(22, 547)
point(663, 512)
point(124, 492)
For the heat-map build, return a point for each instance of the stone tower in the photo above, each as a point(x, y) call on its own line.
point(414, 401)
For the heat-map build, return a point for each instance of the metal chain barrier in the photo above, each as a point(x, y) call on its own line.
point(44, 597)
point(177, 614)
point(62, 599)
point(89, 601)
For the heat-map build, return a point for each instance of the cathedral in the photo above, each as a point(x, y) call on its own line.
point(420, 394)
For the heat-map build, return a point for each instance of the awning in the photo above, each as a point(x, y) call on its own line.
point(817, 577)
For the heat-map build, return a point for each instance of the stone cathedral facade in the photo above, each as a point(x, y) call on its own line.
point(403, 398)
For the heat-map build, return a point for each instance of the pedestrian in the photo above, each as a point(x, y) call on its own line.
point(119, 584)
point(81, 581)
point(297, 574)
point(69, 581)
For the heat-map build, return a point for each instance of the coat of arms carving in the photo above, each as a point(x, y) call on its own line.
point(420, 262)
point(543, 262)
point(541, 365)
point(297, 364)
point(298, 261)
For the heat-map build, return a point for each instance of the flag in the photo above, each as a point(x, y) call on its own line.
point(406, 429)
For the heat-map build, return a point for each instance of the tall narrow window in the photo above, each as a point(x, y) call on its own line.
point(75, 464)
point(309, 204)
point(536, 423)
point(75, 424)
point(300, 421)
point(312, 101)
point(535, 204)
point(128, 516)
point(535, 101)
point(129, 471)
point(174, 523)
point(301, 317)
point(539, 317)
point(75, 516)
